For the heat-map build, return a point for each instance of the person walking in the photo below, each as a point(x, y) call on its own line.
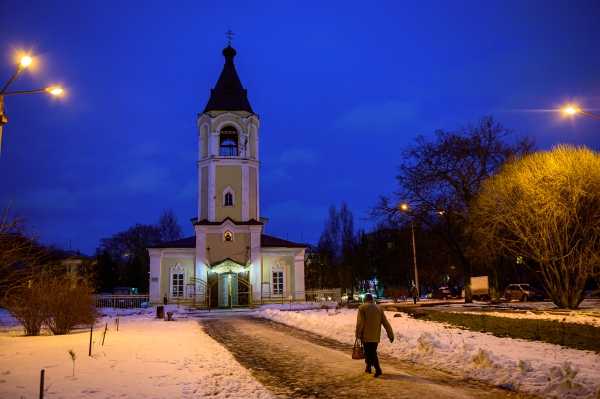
point(415, 293)
point(369, 320)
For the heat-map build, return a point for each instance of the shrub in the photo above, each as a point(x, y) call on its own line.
point(58, 303)
point(396, 292)
point(69, 305)
point(28, 306)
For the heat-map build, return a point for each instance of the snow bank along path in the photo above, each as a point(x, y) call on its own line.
point(537, 368)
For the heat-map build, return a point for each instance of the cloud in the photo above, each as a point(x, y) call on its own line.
point(53, 199)
point(274, 175)
point(296, 156)
point(146, 180)
point(293, 210)
point(377, 117)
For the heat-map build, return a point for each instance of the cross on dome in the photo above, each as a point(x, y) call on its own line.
point(229, 35)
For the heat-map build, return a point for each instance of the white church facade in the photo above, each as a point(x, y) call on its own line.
point(229, 261)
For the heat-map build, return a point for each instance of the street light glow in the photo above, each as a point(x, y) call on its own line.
point(25, 61)
point(572, 111)
point(404, 207)
point(54, 90)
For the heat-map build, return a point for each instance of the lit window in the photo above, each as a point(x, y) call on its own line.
point(228, 236)
point(277, 282)
point(177, 281)
point(177, 285)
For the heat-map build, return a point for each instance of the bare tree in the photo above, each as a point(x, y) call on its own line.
point(341, 251)
point(440, 178)
point(125, 257)
point(544, 210)
point(22, 258)
point(169, 228)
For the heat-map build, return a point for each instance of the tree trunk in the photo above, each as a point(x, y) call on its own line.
point(467, 272)
point(493, 280)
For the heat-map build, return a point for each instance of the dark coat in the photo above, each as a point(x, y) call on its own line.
point(369, 320)
point(414, 291)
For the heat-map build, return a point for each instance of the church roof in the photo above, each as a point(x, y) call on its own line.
point(188, 242)
point(265, 241)
point(269, 241)
point(249, 222)
point(228, 94)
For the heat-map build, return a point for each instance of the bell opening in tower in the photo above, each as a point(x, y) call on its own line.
point(228, 142)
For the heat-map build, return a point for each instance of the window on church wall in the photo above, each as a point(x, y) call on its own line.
point(278, 280)
point(277, 283)
point(204, 142)
point(228, 139)
point(228, 196)
point(228, 236)
point(177, 281)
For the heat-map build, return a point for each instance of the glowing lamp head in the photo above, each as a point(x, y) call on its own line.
point(570, 111)
point(25, 61)
point(54, 90)
point(404, 207)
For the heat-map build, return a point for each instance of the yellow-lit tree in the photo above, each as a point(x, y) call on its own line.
point(544, 210)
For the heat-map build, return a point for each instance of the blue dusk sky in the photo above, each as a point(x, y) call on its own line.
point(341, 87)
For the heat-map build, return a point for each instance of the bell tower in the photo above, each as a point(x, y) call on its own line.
point(228, 161)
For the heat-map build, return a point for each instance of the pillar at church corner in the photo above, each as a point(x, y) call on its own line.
point(229, 261)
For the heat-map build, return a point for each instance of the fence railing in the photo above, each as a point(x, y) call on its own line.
point(120, 301)
point(202, 301)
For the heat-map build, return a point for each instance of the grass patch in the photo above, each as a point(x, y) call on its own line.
point(570, 335)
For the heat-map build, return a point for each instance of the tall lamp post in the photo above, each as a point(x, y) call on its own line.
point(572, 111)
point(25, 62)
point(404, 207)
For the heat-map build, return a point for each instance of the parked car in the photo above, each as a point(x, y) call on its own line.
point(440, 293)
point(593, 296)
point(122, 300)
point(523, 292)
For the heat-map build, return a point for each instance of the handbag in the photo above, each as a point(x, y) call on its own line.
point(358, 352)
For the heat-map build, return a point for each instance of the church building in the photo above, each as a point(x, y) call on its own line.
point(229, 261)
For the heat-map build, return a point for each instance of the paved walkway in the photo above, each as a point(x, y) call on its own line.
point(297, 364)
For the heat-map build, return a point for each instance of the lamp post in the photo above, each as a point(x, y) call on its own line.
point(25, 62)
point(404, 207)
point(572, 111)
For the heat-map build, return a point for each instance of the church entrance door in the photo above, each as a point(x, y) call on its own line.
point(230, 291)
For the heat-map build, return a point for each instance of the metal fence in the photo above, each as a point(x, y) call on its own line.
point(200, 301)
point(331, 295)
point(120, 301)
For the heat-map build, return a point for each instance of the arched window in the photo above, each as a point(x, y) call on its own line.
point(228, 236)
point(228, 139)
point(278, 280)
point(177, 281)
point(228, 196)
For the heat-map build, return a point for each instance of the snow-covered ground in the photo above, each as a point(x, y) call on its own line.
point(151, 358)
point(146, 358)
point(542, 369)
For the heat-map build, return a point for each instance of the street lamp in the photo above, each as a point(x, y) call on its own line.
point(571, 111)
point(25, 62)
point(404, 207)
